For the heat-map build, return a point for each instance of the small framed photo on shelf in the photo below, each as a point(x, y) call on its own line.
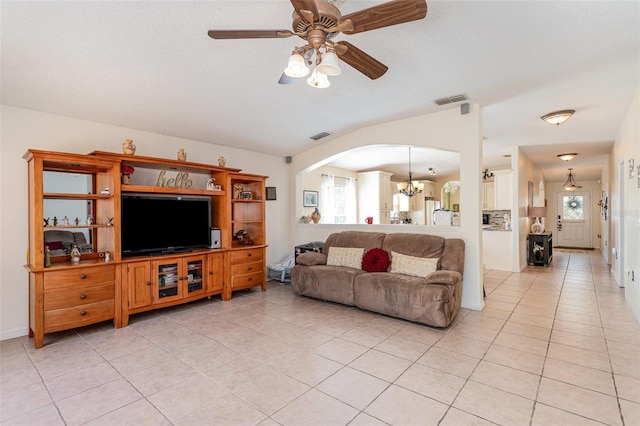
point(270, 192)
point(246, 195)
point(309, 198)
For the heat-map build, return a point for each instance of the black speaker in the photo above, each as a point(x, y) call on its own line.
point(287, 159)
point(215, 238)
point(464, 108)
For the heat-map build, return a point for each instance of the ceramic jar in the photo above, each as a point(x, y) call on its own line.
point(128, 147)
point(315, 216)
point(182, 156)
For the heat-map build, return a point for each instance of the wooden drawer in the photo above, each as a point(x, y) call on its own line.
point(247, 268)
point(77, 296)
point(85, 277)
point(247, 280)
point(78, 316)
point(244, 256)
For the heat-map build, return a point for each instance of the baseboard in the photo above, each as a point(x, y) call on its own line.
point(574, 248)
point(15, 333)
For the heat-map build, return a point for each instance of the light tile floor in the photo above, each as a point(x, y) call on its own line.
point(554, 346)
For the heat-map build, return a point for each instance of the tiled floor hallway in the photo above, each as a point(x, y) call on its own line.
point(554, 346)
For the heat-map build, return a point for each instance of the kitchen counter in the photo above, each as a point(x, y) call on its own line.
point(496, 248)
point(495, 228)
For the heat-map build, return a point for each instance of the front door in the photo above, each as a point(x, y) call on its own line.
point(574, 219)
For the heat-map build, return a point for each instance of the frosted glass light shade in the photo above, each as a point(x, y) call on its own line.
point(329, 64)
point(296, 67)
point(318, 80)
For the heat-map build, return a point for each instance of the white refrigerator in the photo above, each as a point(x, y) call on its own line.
point(430, 206)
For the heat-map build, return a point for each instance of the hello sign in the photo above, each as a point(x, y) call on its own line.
point(180, 181)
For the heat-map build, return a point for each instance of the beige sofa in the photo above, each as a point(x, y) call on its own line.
point(433, 299)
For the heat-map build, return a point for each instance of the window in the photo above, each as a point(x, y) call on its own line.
point(338, 198)
point(573, 207)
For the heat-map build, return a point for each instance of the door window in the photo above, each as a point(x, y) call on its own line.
point(573, 207)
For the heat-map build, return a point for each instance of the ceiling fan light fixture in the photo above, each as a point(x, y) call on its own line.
point(568, 156)
point(296, 67)
point(558, 117)
point(318, 80)
point(570, 184)
point(329, 65)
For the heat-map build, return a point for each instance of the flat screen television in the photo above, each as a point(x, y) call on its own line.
point(159, 224)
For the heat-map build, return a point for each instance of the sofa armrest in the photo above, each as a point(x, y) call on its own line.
point(443, 277)
point(311, 258)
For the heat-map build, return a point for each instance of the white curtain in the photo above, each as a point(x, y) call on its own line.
point(327, 199)
point(350, 205)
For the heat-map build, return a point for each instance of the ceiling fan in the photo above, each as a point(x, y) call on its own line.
point(317, 22)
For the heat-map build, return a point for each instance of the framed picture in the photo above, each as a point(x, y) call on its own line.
point(246, 195)
point(270, 192)
point(309, 198)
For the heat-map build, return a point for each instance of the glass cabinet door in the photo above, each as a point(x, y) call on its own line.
point(168, 279)
point(193, 275)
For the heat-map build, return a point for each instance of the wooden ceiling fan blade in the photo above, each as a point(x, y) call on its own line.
point(236, 34)
point(359, 60)
point(384, 15)
point(307, 9)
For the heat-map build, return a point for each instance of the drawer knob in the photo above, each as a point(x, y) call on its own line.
point(249, 268)
point(210, 273)
point(250, 254)
point(83, 296)
point(83, 276)
point(148, 282)
point(83, 313)
point(250, 279)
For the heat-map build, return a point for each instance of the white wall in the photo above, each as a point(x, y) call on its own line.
point(447, 130)
point(524, 173)
point(23, 129)
point(626, 147)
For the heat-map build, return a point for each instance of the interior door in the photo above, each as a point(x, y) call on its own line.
point(574, 219)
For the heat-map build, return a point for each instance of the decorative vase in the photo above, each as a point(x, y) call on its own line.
point(182, 156)
point(315, 216)
point(126, 179)
point(128, 147)
point(537, 227)
point(221, 161)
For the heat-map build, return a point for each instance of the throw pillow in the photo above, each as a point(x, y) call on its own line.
point(311, 258)
point(411, 265)
point(350, 257)
point(375, 260)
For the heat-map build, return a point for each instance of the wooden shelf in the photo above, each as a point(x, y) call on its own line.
point(164, 190)
point(68, 196)
point(77, 227)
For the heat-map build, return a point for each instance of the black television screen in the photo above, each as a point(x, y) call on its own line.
point(154, 224)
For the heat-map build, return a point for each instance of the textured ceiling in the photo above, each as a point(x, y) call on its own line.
point(151, 66)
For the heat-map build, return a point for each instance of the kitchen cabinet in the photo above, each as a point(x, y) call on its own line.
point(488, 199)
point(375, 196)
point(503, 189)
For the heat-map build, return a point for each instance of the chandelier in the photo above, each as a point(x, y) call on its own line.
point(570, 184)
point(411, 187)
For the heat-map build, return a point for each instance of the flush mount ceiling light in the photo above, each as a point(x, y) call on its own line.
point(558, 117)
point(568, 156)
point(570, 184)
point(410, 188)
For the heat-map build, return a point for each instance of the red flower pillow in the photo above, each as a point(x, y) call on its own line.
point(375, 260)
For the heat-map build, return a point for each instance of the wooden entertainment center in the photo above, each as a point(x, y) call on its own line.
point(64, 294)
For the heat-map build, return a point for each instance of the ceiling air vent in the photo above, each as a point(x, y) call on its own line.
point(451, 99)
point(320, 136)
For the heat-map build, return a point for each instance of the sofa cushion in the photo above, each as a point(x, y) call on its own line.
point(366, 240)
point(311, 258)
point(351, 257)
point(375, 260)
point(411, 265)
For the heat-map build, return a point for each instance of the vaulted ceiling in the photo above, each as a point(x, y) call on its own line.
point(151, 66)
